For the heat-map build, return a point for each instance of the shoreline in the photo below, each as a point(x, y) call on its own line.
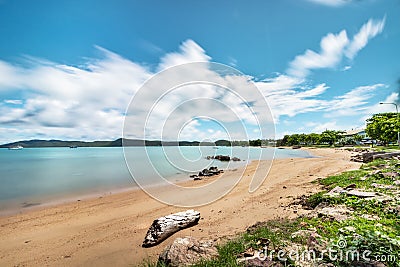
point(181, 179)
point(110, 229)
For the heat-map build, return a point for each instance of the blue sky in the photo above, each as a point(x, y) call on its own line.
point(68, 69)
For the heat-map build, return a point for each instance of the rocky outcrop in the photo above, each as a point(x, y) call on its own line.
point(165, 226)
point(210, 172)
point(223, 158)
point(187, 251)
point(337, 213)
point(366, 156)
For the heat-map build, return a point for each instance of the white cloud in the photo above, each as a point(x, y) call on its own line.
point(370, 110)
point(331, 3)
point(13, 101)
point(333, 48)
point(89, 102)
point(346, 68)
point(368, 31)
point(289, 96)
point(189, 51)
point(331, 54)
point(330, 125)
point(67, 101)
point(378, 108)
point(353, 102)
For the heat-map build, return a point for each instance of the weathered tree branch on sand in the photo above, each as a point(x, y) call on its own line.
point(166, 226)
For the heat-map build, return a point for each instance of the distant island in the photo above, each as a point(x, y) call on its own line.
point(115, 143)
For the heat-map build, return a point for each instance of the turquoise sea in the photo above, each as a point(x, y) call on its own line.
point(35, 176)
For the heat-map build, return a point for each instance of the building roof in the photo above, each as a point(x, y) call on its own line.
point(354, 132)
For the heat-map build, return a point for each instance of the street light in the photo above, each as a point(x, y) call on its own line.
point(398, 124)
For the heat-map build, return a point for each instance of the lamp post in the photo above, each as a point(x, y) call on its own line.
point(398, 124)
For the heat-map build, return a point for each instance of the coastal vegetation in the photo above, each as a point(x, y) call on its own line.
point(383, 127)
point(370, 224)
point(326, 138)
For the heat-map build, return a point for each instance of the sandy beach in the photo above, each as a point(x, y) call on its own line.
point(109, 230)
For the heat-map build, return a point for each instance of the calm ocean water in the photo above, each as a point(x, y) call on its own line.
point(34, 176)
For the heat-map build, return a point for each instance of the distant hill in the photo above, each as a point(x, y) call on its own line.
point(115, 143)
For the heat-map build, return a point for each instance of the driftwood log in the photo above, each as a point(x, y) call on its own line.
point(166, 226)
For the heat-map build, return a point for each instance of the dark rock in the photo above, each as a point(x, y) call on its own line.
point(187, 251)
point(210, 172)
point(350, 186)
point(249, 252)
point(205, 172)
point(222, 158)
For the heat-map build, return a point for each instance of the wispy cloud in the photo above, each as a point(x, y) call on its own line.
point(13, 101)
point(67, 101)
point(331, 53)
point(188, 52)
point(331, 3)
point(90, 101)
point(352, 102)
point(333, 48)
point(368, 31)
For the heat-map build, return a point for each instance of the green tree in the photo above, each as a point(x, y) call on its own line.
point(255, 142)
point(302, 139)
point(294, 139)
point(383, 127)
point(312, 138)
point(330, 137)
point(357, 138)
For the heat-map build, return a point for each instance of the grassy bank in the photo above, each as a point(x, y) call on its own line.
point(364, 231)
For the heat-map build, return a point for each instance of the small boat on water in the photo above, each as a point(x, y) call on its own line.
point(15, 147)
point(73, 147)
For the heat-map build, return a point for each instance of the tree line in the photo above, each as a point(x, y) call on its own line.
point(327, 137)
point(382, 127)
